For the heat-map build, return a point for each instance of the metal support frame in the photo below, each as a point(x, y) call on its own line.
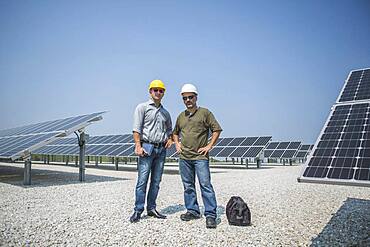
point(27, 171)
point(96, 161)
point(82, 144)
point(258, 162)
point(116, 163)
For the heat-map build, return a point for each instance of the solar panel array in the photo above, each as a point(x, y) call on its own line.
point(108, 145)
point(123, 146)
point(342, 152)
point(239, 147)
point(21, 141)
point(281, 150)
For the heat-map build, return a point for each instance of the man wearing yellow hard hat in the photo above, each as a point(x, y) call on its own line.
point(152, 131)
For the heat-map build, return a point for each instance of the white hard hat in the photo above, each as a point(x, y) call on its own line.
point(189, 88)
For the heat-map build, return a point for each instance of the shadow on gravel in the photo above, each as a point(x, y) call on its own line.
point(43, 178)
point(349, 226)
point(173, 209)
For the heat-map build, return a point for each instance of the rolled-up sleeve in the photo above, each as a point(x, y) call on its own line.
point(213, 124)
point(139, 118)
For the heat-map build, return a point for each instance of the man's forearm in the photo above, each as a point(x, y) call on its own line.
point(137, 139)
point(215, 136)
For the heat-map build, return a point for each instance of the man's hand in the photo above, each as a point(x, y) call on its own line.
point(168, 143)
point(139, 150)
point(204, 150)
point(178, 147)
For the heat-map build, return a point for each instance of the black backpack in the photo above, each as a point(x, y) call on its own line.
point(237, 212)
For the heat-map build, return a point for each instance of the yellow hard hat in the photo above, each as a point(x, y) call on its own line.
point(157, 84)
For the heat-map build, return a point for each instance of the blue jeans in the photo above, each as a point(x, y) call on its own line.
point(188, 169)
point(149, 165)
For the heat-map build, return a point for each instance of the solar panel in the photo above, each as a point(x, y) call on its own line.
point(21, 141)
point(249, 141)
point(253, 152)
point(341, 154)
point(214, 151)
point(239, 147)
point(357, 86)
point(226, 152)
point(225, 141)
point(281, 150)
point(237, 141)
point(239, 151)
point(303, 151)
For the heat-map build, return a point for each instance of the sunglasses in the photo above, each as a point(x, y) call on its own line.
point(158, 90)
point(188, 97)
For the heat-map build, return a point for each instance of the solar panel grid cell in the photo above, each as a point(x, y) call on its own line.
point(249, 141)
point(239, 152)
point(262, 141)
point(225, 152)
point(225, 141)
point(237, 141)
point(215, 150)
point(253, 152)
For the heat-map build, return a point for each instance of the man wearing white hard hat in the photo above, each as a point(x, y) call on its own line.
point(194, 125)
point(152, 131)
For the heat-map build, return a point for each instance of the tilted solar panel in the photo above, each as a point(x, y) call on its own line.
point(240, 147)
point(21, 141)
point(283, 150)
point(341, 154)
point(357, 86)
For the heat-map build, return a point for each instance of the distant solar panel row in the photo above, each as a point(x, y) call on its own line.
point(124, 150)
point(285, 150)
point(123, 146)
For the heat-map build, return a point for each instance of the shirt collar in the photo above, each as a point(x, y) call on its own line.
point(151, 102)
point(188, 114)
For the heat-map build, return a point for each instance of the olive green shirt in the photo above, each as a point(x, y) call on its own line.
point(194, 130)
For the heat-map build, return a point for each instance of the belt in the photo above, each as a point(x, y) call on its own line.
point(156, 145)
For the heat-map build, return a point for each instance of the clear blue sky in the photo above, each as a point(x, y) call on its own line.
point(262, 67)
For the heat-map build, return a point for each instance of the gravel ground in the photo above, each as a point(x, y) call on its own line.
point(58, 210)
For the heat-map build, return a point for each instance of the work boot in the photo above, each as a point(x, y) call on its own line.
point(211, 222)
point(135, 217)
point(156, 214)
point(189, 216)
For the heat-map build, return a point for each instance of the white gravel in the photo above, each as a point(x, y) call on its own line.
point(58, 210)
